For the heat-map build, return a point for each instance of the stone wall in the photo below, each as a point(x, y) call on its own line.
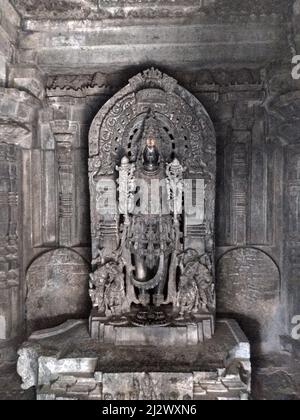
point(249, 180)
point(55, 74)
point(10, 22)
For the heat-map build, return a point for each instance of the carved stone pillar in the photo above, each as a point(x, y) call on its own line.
point(285, 126)
point(9, 238)
point(17, 116)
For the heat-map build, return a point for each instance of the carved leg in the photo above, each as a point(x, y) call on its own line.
point(141, 275)
point(159, 298)
point(144, 298)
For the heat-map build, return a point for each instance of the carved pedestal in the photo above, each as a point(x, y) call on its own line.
point(189, 333)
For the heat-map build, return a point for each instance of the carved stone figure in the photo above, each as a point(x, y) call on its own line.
point(148, 388)
point(187, 297)
point(196, 290)
point(107, 289)
point(175, 185)
point(127, 186)
point(144, 140)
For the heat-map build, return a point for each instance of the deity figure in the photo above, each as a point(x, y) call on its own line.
point(150, 233)
point(187, 297)
point(148, 388)
point(196, 292)
point(144, 271)
point(151, 156)
point(107, 290)
point(175, 185)
point(127, 186)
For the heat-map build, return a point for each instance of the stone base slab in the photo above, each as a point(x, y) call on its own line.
point(60, 369)
point(189, 334)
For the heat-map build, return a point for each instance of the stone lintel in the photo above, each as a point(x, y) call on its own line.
point(93, 48)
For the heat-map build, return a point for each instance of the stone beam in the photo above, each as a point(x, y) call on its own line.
point(59, 47)
point(9, 24)
point(17, 117)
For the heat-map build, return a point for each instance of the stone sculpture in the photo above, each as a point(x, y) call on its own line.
point(151, 243)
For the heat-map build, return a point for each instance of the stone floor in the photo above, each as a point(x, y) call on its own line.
point(268, 383)
point(74, 342)
point(66, 363)
point(10, 386)
point(274, 377)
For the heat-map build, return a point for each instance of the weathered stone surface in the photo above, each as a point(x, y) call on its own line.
point(148, 386)
point(90, 49)
point(108, 371)
point(94, 9)
point(27, 79)
point(28, 366)
point(57, 289)
point(50, 368)
point(248, 288)
point(189, 335)
point(86, 51)
point(9, 24)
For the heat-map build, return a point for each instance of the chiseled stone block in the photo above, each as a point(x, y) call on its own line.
point(50, 368)
point(148, 386)
point(82, 377)
point(190, 334)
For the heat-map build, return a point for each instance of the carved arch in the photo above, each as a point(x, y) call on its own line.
point(182, 128)
point(181, 119)
point(57, 288)
point(249, 290)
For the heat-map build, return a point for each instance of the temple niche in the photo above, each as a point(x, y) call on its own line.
point(149, 199)
point(152, 182)
point(152, 178)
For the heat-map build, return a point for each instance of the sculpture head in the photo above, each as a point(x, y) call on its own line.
point(191, 269)
point(151, 156)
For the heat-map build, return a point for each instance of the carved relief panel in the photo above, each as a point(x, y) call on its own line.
point(292, 215)
point(245, 213)
point(248, 289)
point(9, 241)
point(57, 289)
point(61, 213)
point(284, 127)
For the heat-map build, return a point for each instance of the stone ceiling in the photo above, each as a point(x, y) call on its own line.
point(83, 36)
point(101, 9)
